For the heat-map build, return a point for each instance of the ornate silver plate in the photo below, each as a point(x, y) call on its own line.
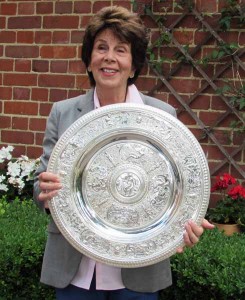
point(132, 176)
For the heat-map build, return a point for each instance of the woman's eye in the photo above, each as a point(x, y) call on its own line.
point(121, 50)
point(101, 47)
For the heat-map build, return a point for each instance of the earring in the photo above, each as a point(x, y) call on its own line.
point(89, 69)
point(131, 76)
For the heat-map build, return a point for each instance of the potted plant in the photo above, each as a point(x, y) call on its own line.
point(229, 212)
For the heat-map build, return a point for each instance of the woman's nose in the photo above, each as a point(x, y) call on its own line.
point(109, 56)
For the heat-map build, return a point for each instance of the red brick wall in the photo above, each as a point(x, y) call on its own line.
point(40, 45)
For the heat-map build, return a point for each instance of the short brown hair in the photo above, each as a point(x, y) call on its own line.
point(127, 26)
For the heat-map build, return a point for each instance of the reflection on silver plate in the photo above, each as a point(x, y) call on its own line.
point(132, 176)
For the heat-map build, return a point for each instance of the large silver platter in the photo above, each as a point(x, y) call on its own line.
point(132, 176)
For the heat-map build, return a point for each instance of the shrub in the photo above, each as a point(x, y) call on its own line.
point(213, 269)
point(22, 241)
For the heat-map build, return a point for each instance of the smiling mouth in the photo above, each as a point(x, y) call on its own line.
point(109, 71)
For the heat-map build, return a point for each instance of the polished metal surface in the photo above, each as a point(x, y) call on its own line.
point(132, 176)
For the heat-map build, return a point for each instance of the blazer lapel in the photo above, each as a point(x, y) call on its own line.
point(85, 105)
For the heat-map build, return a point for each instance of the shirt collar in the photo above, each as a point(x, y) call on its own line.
point(133, 96)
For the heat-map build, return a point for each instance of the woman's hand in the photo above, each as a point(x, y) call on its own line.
point(193, 233)
point(49, 184)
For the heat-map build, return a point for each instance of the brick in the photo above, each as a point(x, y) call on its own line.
point(59, 66)
point(185, 86)
point(40, 66)
point(76, 67)
point(39, 138)
point(159, 6)
point(17, 137)
point(145, 84)
point(44, 7)
point(22, 65)
point(190, 22)
point(199, 134)
point(224, 137)
point(7, 36)
point(19, 150)
point(24, 22)
point(77, 36)
point(184, 71)
point(40, 94)
point(238, 137)
point(37, 124)
point(206, 6)
point(44, 109)
point(21, 93)
point(229, 37)
point(8, 9)
point(209, 70)
point(43, 37)
point(227, 121)
point(237, 174)
point(57, 95)
point(73, 93)
point(218, 104)
point(149, 22)
point(61, 37)
point(63, 7)
point(65, 81)
point(26, 8)
point(6, 93)
point(82, 82)
point(22, 51)
point(241, 40)
point(201, 102)
point(200, 36)
point(20, 108)
point(84, 21)
point(58, 52)
point(100, 4)
point(20, 80)
point(34, 152)
point(65, 22)
point(25, 37)
point(186, 118)
point(184, 37)
point(6, 64)
point(2, 22)
point(5, 122)
point(20, 123)
point(82, 7)
point(209, 117)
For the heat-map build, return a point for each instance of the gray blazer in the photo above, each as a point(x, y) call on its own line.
point(61, 260)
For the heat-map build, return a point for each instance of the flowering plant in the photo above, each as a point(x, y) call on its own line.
point(16, 175)
point(230, 209)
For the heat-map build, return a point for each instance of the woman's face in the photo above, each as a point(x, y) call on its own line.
point(111, 61)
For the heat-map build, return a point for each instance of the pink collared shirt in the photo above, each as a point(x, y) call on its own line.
point(107, 277)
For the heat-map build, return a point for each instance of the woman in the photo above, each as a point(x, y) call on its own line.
point(113, 51)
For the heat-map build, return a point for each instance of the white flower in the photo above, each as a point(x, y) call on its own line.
point(5, 153)
point(17, 182)
point(2, 177)
point(3, 187)
point(13, 169)
point(27, 167)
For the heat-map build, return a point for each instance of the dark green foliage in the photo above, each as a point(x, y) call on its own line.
point(22, 241)
point(212, 270)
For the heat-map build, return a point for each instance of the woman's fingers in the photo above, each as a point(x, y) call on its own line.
point(49, 184)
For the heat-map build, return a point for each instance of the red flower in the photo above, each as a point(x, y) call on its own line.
point(222, 182)
point(236, 192)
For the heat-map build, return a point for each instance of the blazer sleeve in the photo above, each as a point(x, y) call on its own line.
point(50, 139)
